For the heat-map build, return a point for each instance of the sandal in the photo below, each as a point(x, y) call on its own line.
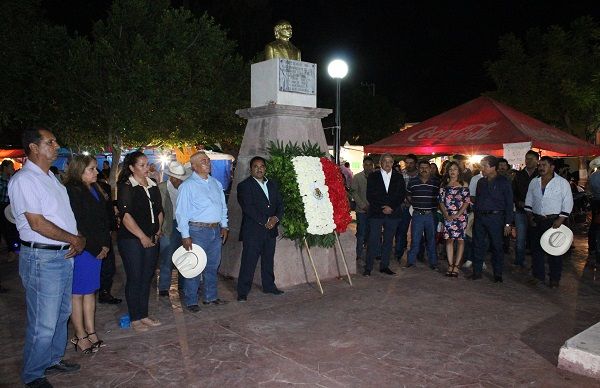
point(75, 342)
point(138, 326)
point(150, 322)
point(455, 270)
point(450, 271)
point(98, 344)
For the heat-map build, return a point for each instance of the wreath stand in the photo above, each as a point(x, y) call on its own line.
point(337, 240)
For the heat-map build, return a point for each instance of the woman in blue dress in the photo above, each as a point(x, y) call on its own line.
point(454, 200)
point(91, 207)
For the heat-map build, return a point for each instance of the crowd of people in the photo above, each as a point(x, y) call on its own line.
point(66, 252)
point(473, 213)
point(64, 232)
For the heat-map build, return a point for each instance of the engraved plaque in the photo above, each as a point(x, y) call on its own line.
point(297, 77)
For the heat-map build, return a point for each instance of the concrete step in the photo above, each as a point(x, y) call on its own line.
point(581, 353)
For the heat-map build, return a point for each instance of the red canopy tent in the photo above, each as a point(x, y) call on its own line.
point(481, 126)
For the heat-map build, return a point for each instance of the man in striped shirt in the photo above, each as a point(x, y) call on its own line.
point(548, 204)
point(423, 192)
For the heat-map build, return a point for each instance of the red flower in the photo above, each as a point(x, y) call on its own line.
point(337, 195)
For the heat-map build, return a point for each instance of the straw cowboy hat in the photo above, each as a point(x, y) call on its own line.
point(557, 241)
point(595, 163)
point(189, 263)
point(176, 170)
point(9, 214)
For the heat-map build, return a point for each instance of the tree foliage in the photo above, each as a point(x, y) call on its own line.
point(148, 74)
point(553, 75)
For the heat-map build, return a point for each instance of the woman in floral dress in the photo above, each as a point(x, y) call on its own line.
point(454, 200)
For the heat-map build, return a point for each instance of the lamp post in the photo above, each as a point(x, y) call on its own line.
point(337, 70)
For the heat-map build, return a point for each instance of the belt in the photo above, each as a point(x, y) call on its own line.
point(36, 245)
point(491, 212)
point(422, 212)
point(205, 224)
point(546, 217)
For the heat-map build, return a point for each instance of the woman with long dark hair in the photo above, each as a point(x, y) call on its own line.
point(91, 207)
point(454, 199)
point(140, 209)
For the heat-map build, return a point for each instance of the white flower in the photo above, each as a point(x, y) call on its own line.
point(315, 194)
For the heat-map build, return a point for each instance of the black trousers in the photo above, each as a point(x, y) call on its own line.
point(8, 230)
point(139, 264)
point(253, 248)
point(107, 272)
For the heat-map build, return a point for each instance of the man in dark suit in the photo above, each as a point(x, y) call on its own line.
point(385, 193)
point(262, 209)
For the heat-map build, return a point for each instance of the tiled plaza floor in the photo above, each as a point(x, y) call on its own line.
point(417, 328)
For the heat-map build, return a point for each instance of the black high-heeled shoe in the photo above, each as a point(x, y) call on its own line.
point(75, 342)
point(98, 344)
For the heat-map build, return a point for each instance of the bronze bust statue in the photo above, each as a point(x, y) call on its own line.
point(281, 47)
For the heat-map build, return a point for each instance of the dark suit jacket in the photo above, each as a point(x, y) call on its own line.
point(257, 209)
point(378, 197)
point(93, 217)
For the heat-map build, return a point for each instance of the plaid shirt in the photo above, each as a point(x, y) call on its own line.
point(4, 190)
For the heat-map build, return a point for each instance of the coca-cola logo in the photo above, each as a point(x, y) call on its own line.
point(470, 132)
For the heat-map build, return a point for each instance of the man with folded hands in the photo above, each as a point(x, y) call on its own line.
point(262, 209)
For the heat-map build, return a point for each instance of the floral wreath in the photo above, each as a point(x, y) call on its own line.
point(315, 201)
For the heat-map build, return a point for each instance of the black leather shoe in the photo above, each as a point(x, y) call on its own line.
point(62, 367)
point(366, 273)
point(215, 302)
point(242, 298)
point(498, 279)
point(106, 297)
point(378, 258)
point(553, 284)
point(194, 308)
point(474, 276)
point(533, 282)
point(432, 267)
point(387, 271)
point(163, 293)
point(42, 382)
point(276, 291)
point(408, 265)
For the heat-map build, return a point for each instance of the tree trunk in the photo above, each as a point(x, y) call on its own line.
point(116, 145)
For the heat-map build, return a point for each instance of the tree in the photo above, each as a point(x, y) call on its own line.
point(155, 75)
point(553, 75)
point(32, 67)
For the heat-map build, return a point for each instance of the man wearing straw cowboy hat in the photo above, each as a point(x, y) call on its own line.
point(548, 204)
point(202, 219)
point(171, 238)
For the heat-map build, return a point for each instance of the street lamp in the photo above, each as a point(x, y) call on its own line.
point(337, 70)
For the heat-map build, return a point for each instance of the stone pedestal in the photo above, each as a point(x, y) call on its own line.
point(283, 123)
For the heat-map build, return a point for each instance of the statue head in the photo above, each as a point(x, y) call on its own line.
point(283, 30)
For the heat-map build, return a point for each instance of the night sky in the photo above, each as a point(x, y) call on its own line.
point(424, 56)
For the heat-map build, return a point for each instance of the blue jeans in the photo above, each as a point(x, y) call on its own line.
point(402, 231)
point(168, 246)
point(362, 232)
point(208, 239)
point(423, 223)
point(375, 247)
point(492, 227)
point(47, 278)
point(522, 232)
point(140, 266)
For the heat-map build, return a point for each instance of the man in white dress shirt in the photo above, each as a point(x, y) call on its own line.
point(548, 204)
point(49, 240)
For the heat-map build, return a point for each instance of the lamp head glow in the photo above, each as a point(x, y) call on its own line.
point(86, 153)
point(164, 159)
point(337, 69)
